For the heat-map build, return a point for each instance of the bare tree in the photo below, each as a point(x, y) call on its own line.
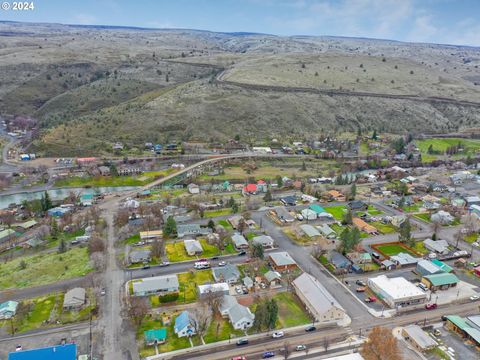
point(212, 299)
point(201, 320)
point(121, 218)
point(436, 226)
point(158, 249)
point(381, 345)
point(138, 308)
point(96, 244)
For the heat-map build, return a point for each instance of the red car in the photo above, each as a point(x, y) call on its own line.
point(430, 306)
point(371, 299)
point(239, 358)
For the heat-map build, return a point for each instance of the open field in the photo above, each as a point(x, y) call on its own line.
point(440, 145)
point(44, 268)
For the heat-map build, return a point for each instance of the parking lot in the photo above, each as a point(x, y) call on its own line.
point(450, 340)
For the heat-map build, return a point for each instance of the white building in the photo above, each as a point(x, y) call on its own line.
point(193, 189)
point(397, 291)
point(319, 302)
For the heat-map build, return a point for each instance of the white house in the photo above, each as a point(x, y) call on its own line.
point(193, 247)
point(193, 189)
point(155, 285)
point(240, 317)
point(264, 240)
point(185, 324)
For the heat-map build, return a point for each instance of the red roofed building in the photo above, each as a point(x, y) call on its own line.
point(249, 189)
point(477, 270)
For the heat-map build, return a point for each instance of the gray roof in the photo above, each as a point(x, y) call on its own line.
point(282, 258)
point(325, 229)
point(283, 213)
point(238, 312)
point(416, 333)
point(74, 297)
point(436, 245)
point(247, 281)
point(429, 266)
point(192, 246)
point(315, 293)
point(309, 230)
point(272, 275)
point(192, 229)
point(239, 240)
point(139, 255)
point(227, 273)
point(228, 301)
point(265, 240)
point(156, 283)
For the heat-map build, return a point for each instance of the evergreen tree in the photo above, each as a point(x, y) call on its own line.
point(347, 218)
point(268, 196)
point(257, 251)
point(353, 191)
point(211, 224)
point(279, 181)
point(405, 232)
point(272, 311)
point(61, 246)
point(54, 230)
point(374, 135)
point(170, 227)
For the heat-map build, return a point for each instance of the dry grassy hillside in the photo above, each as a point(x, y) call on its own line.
point(93, 86)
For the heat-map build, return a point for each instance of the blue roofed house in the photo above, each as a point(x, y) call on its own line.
point(8, 309)
point(184, 324)
point(339, 261)
point(58, 352)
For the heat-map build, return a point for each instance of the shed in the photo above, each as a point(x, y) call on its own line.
point(155, 336)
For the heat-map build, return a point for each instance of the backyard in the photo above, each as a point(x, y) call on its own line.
point(189, 281)
point(337, 211)
point(391, 249)
point(175, 251)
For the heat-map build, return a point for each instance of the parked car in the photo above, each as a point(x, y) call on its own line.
point(278, 334)
point(165, 263)
point(242, 342)
point(300, 348)
point(310, 328)
point(239, 358)
point(241, 253)
point(422, 286)
point(474, 297)
point(18, 348)
point(268, 354)
point(430, 306)
point(360, 282)
point(238, 290)
point(299, 217)
point(437, 332)
point(222, 263)
point(103, 292)
point(360, 289)
point(370, 299)
point(214, 258)
point(146, 266)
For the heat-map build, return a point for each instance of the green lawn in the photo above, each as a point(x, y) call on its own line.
point(412, 208)
point(392, 249)
point(39, 312)
point(372, 210)
point(337, 211)
point(225, 224)
point(189, 281)
point(176, 251)
point(471, 238)
point(132, 239)
point(220, 329)
point(290, 311)
point(45, 268)
point(420, 248)
point(219, 212)
point(384, 228)
point(423, 216)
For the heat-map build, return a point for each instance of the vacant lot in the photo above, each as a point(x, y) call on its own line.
point(189, 282)
point(44, 268)
point(291, 312)
point(393, 249)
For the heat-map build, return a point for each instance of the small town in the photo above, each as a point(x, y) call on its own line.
point(240, 180)
point(332, 240)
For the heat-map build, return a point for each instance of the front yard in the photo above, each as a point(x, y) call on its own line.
point(290, 310)
point(337, 211)
point(44, 268)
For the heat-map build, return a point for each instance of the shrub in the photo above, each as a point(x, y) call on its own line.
point(168, 297)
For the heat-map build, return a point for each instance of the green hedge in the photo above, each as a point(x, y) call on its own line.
point(168, 297)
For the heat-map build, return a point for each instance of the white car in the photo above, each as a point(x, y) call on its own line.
point(278, 334)
point(300, 348)
point(222, 263)
point(238, 289)
point(474, 297)
point(476, 244)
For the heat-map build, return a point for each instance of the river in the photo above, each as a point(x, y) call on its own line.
point(57, 194)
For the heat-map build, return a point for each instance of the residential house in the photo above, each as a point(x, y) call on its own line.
point(185, 324)
point(227, 302)
point(273, 278)
point(155, 285)
point(221, 287)
point(192, 230)
point(235, 220)
point(442, 217)
point(193, 247)
point(437, 246)
point(151, 234)
point(262, 186)
point(248, 282)
point(336, 195)
point(264, 240)
point(363, 226)
point(472, 200)
point(339, 261)
point(8, 309)
point(74, 299)
point(139, 256)
point(418, 338)
point(321, 212)
point(86, 200)
point(311, 232)
point(228, 273)
point(240, 317)
point(58, 211)
point(283, 214)
point(319, 302)
point(327, 231)
point(290, 200)
point(308, 198)
point(443, 266)
point(404, 259)
point(239, 241)
point(388, 265)
point(155, 336)
point(27, 225)
point(441, 281)
point(308, 214)
point(249, 189)
point(6, 235)
point(193, 188)
point(282, 261)
point(357, 205)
